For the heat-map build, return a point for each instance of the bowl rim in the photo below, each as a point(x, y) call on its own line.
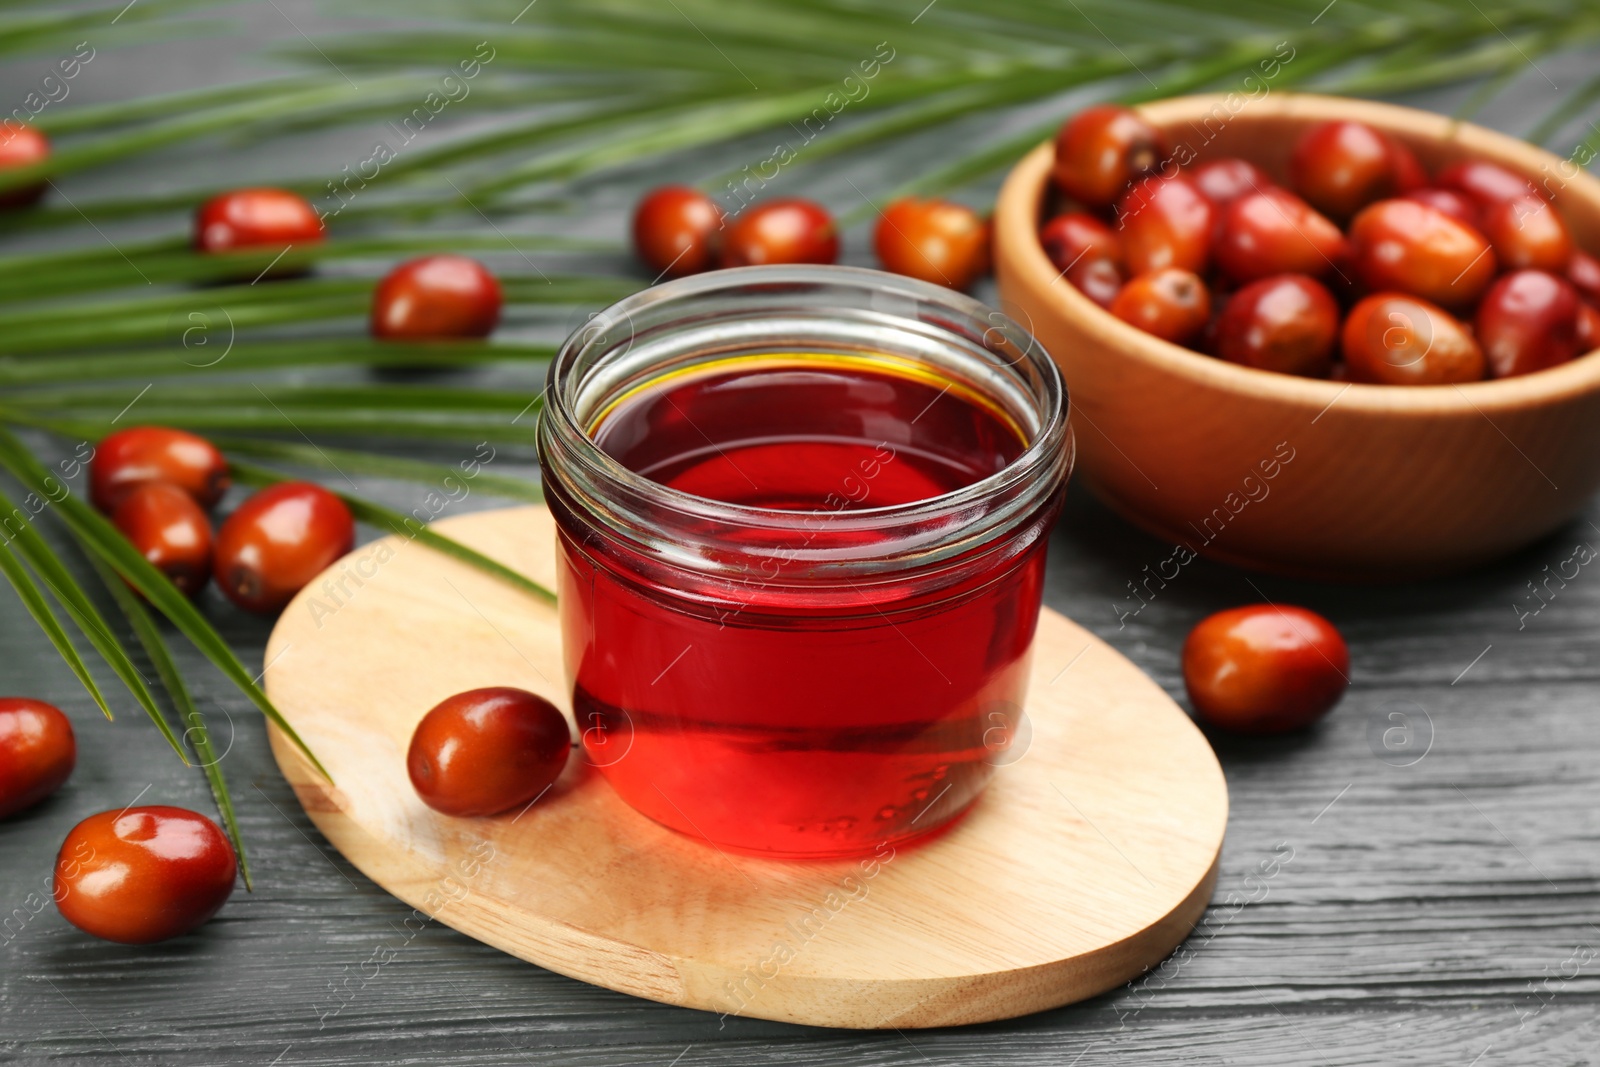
point(1016, 237)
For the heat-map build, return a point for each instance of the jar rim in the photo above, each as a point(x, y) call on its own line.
point(1048, 440)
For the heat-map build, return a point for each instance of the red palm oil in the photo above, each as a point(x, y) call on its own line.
point(798, 587)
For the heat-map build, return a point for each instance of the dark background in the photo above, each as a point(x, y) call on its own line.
point(1439, 908)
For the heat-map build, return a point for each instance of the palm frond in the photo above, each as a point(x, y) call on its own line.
point(96, 534)
point(82, 610)
point(34, 601)
point(342, 461)
point(196, 731)
point(204, 348)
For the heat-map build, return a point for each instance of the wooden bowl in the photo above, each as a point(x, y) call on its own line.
point(1296, 475)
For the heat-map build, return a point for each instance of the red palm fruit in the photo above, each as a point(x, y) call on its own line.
point(1102, 149)
point(1588, 329)
point(1413, 248)
point(1275, 232)
point(143, 454)
point(937, 241)
point(277, 541)
point(37, 752)
point(1165, 222)
point(168, 528)
point(1395, 339)
point(436, 298)
point(21, 146)
point(1265, 669)
point(781, 231)
point(1287, 323)
point(1342, 166)
point(674, 230)
point(1528, 321)
point(1222, 181)
point(1076, 235)
point(1098, 279)
point(1583, 271)
point(1527, 234)
point(1487, 183)
point(1457, 205)
point(255, 218)
point(1172, 304)
point(145, 874)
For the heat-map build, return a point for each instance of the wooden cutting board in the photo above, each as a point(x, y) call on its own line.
point(1088, 859)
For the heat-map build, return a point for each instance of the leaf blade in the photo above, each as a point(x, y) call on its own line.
point(99, 536)
point(33, 599)
point(197, 733)
point(83, 612)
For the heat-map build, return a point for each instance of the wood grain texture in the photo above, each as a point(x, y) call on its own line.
point(1084, 863)
point(1299, 475)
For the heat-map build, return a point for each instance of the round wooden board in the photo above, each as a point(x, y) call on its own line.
point(1089, 858)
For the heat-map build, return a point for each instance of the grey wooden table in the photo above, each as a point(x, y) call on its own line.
point(1439, 906)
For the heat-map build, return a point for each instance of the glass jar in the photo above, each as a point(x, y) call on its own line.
point(816, 681)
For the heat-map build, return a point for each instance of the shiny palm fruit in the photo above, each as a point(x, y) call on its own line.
point(1172, 304)
point(1165, 222)
point(1528, 234)
point(1395, 339)
point(486, 751)
point(1288, 323)
point(1222, 181)
point(675, 229)
point(936, 241)
point(1528, 321)
point(436, 298)
point(1413, 248)
point(1410, 174)
point(255, 218)
point(1096, 278)
point(1583, 271)
point(1265, 669)
point(1487, 183)
point(145, 874)
point(1103, 149)
point(170, 530)
point(142, 454)
point(1458, 205)
point(37, 752)
point(1588, 328)
point(1275, 232)
point(780, 231)
point(1075, 235)
point(1341, 167)
point(277, 541)
point(22, 145)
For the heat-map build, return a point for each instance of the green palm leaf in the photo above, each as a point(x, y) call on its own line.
point(33, 599)
point(196, 731)
point(98, 536)
point(209, 353)
point(72, 598)
point(63, 326)
point(346, 461)
point(170, 260)
point(388, 423)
